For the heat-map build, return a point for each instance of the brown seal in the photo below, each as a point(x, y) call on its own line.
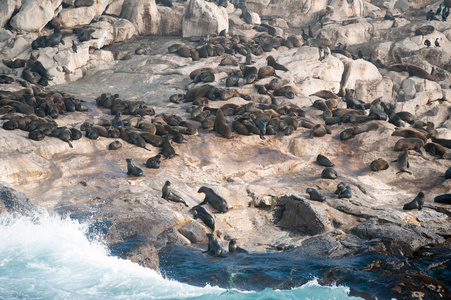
point(379, 164)
point(410, 133)
point(403, 161)
point(272, 62)
point(266, 71)
point(366, 127)
point(220, 125)
point(409, 143)
point(435, 149)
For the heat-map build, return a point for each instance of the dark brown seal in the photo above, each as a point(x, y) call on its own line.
point(221, 126)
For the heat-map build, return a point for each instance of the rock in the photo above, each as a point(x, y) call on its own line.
point(143, 14)
point(171, 20)
point(194, 232)
point(137, 250)
point(114, 8)
point(359, 70)
point(303, 216)
point(16, 46)
point(34, 15)
point(7, 9)
point(202, 18)
point(111, 30)
point(75, 16)
point(15, 203)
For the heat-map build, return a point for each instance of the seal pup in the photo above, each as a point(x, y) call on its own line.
point(315, 195)
point(436, 43)
point(133, 170)
point(379, 164)
point(201, 213)
point(403, 162)
point(415, 203)
point(213, 246)
point(114, 145)
point(55, 38)
point(171, 196)
point(168, 151)
point(324, 161)
point(233, 248)
point(343, 190)
point(216, 201)
point(154, 162)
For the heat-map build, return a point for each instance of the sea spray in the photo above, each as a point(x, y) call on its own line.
point(46, 257)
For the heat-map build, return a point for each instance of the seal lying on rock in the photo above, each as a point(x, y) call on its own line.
point(445, 198)
point(171, 196)
point(315, 195)
point(415, 203)
point(133, 170)
point(216, 201)
point(201, 213)
point(324, 161)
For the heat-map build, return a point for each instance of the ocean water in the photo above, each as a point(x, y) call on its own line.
point(46, 257)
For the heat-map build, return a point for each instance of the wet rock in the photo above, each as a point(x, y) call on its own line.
point(194, 232)
point(15, 203)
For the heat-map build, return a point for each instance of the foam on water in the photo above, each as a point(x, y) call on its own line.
point(49, 258)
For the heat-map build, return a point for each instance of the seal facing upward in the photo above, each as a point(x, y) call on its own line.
point(133, 170)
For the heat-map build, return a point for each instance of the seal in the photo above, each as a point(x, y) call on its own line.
point(435, 149)
point(347, 134)
point(216, 201)
point(409, 143)
point(272, 62)
point(133, 170)
point(410, 133)
point(448, 173)
point(154, 162)
point(444, 142)
point(329, 173)
point(201, 213)
point(343, 190)
point(36, 135)
point(366, 128)
point(114, 145)
point(319, 130)
point(220, 125)
point(213, 246)
point(445, 198)
point(324, 161)
point(416, 203)
point(266, 71)
point(403, 162)
point(233, 248)
point(171, 196)
point(167, 149)
point(379, 164)
point(315, 195)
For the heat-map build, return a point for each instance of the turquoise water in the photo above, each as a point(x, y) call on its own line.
point(46, 257)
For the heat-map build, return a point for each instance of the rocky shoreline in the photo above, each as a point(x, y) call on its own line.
point(263, 180)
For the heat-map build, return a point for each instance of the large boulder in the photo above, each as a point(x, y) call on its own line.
point(359, 70)
point(171, 20)
point(74, 16)
point(7, 9)
point(203, 18)
point(35, 14)
point(143, 14)
point(301, 13)
point(303, 216)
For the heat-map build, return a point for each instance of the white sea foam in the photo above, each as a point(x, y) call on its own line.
point(50, 258)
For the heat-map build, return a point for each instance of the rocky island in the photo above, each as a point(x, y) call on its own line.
point(324, 127)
